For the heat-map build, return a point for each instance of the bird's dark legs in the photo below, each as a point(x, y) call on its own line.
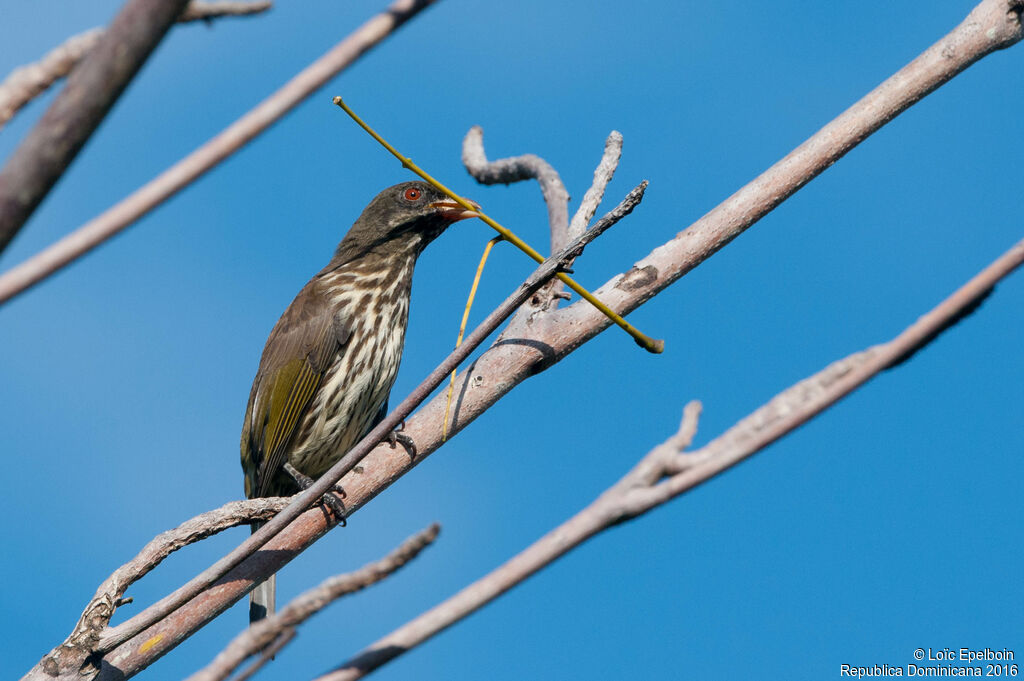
point(397, 436)
point(305, 482)
point(301, 479)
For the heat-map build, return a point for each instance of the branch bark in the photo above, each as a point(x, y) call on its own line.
point(227, 142)
point(667, 471)
point(92, 89)
point(992, 25)
point(28, 82)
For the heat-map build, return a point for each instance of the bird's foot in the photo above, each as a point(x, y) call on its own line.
point(333, 502)
point(396, 436)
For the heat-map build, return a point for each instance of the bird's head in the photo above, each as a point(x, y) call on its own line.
point(403, 218)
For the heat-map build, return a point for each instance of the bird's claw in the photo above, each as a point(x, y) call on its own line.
point(396, 436)
point(336, 505)
point(305, 482)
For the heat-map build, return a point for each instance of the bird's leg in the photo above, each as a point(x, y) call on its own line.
point(396, 436)
point(305, 482)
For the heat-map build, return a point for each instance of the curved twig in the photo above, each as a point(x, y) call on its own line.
point(81, 644)
point(517, 169)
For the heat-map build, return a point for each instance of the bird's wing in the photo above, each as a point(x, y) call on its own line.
point(299, 351)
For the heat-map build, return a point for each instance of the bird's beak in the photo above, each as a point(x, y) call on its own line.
point(453, 212)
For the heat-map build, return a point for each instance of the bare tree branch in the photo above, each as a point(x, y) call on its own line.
point(667, 471)
point(91, 90)
point(79, 646)
point(602, 176)
point(228, 141)
point(274, 632)
point(25, 83)
point(992, 25)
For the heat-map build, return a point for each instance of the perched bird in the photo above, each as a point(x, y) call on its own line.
point(331, 359)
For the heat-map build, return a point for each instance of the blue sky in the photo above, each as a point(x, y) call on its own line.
point(891, 522)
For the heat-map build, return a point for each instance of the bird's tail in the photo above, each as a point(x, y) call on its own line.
point(261, 599)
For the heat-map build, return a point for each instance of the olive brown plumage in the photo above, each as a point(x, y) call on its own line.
point(331, 359)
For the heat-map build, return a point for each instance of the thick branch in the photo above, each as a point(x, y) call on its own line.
point(281, 627)
point(228, 141)
point(666, 471)
point(91, 90)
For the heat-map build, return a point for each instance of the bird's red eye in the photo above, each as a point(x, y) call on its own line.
point(412, 194)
